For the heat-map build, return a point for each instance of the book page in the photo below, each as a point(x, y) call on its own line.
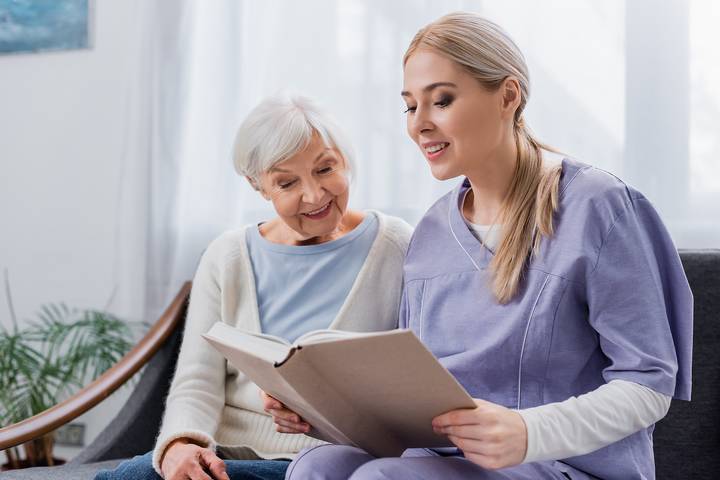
point(268, 347)
point(267, 336)
point(320, 336)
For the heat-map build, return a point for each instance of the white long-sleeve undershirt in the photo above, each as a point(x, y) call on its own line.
point(588, 422)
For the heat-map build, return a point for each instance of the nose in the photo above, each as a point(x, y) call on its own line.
point(313, 192)
point(419, 123)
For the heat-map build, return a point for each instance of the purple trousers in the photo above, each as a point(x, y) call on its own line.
point(339, 462)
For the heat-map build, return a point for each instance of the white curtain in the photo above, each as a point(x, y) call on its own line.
point(629, 86)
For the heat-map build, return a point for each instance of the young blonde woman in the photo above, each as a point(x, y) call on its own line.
point(550, 289)
point(316, 264)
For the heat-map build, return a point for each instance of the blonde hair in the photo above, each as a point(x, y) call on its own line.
point(487, 53)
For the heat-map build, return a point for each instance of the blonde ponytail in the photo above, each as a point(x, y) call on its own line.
point(527, 213)
point(487, 53)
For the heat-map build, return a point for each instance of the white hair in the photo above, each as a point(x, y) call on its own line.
point(281, 126)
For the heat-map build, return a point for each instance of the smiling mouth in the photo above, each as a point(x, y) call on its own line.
point(319, 213)
point(436, 148)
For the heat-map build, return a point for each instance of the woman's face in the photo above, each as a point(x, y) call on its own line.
point(457, 123)
point(309, 191)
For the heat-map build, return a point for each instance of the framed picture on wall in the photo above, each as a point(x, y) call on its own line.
point(28, 26)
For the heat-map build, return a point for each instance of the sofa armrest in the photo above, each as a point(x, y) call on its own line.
point(104, 385)
point(133, 430)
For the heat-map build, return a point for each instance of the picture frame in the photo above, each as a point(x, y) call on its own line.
point(32, 26)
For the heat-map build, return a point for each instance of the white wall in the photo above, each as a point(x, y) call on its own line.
point(62, 132)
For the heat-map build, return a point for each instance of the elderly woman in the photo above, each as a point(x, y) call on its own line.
point(317, 264)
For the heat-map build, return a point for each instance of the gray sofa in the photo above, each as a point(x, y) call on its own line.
point(687, 441)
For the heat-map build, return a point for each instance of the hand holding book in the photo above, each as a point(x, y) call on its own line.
point(286, 420)
point(490, 435)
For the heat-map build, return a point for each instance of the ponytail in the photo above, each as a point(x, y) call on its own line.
point(527, 214)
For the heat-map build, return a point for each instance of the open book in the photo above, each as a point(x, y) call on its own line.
point(378, 391)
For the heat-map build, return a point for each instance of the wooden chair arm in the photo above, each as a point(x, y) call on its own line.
point(66, 411)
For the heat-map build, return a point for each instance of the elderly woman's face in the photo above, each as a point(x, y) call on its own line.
point(309, 190)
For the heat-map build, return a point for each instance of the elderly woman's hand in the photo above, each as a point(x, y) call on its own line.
point(183, 460)
point(286, 420)
point(489, 435)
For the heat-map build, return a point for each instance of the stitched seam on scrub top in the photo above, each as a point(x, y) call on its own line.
point(420, 318)
point(552, 337)
point(616, 219)
point(578, 172)
point(522, 349)
point(456, 238)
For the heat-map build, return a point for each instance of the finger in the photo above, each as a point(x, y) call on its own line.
point(285, 414)
point(302, 427)
point(284, 429)
point(465, 416)
point(197, 473)
point(473, 432)
point(214, 464)
point(270, 402)
point(469, 445)
point(462, 431)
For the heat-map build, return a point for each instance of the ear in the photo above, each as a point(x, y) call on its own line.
point(511, 96)
point(256, 186)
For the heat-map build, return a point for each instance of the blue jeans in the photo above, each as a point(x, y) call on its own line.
point(140, 468)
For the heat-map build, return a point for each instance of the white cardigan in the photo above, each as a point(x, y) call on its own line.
point(213, 403)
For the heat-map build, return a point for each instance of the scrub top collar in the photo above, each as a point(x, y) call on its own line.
point(478, 254)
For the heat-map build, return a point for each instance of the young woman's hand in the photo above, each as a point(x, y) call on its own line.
point(286, 420)
point(489, 435)
point(185, 460)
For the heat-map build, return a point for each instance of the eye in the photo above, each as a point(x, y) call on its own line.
point(444, 101)
point(327, 166)
point(287, 184)
point(410, 109)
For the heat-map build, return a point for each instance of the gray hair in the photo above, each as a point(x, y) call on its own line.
point(281, 126)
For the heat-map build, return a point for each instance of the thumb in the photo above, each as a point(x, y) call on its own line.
point(480, 403)
point(214, 464)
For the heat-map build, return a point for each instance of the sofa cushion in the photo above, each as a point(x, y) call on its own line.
point(687, 440)
point(65, 472)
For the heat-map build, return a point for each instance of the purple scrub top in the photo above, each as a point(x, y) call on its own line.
point(606, 298)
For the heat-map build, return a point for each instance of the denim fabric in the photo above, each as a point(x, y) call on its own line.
point(140, 468)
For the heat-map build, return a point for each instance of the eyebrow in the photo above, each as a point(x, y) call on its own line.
point(282, 170)
point(430, 88)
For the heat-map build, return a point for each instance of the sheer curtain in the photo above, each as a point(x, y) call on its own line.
point(629, 86)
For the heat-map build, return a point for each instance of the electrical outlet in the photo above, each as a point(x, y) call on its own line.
point(71, 435)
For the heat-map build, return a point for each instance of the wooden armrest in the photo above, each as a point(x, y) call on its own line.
point(66, 411)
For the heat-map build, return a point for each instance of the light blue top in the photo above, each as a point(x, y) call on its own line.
point(302, 288)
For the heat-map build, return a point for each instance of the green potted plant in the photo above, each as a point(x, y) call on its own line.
point(49, 359)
